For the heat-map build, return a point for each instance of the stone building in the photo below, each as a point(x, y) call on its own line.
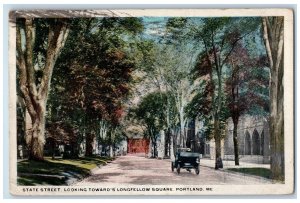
point(253, 139)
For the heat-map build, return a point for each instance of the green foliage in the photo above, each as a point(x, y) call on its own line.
point(176, 23)
point(258, 92)
point(262, 172)
point(95, 61)
point(28, 171)
point(146, 55)
point(40, 44)
point(92, 78)
point(101, 55)
point(125, 24)
point(200, 105)
point(176, 31)
point(151, 112)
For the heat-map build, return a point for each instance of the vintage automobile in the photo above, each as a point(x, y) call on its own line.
point(186, 159)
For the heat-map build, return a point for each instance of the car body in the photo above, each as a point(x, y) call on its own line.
point(186, 159)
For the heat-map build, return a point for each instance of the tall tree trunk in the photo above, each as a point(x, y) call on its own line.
point(174, 142)
point(182, 127)
point(35, 137)
point(235, 141)
point(217, 130)
point(234, 109)
point(167, 143)
point(218, 160)
point(273, 29)
point(89, 138)
point(277, 132)
point(111, 150)
point(35, 94)
point(156, 152)
point(152, 148)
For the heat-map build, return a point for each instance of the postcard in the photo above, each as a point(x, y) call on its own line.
point(151, 102)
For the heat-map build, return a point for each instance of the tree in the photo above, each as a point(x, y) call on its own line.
point(219, 37)
point(245, 87)
point(151, 114)
point(97, 60)
point(35, 66)
point(273, 34)
point(214, 39)
point(168, 70)
point(237, 101)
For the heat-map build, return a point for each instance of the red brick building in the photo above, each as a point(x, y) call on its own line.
point(138, 145)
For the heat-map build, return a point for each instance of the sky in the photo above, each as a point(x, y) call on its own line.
point(154, 27)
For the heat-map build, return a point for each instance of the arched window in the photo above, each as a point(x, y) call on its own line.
point(256, 143)
point(247, 143)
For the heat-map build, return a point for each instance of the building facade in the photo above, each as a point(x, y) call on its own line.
point(138, 145)
point(253, 140)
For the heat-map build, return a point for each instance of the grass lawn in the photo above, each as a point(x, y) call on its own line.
point(57, 171)
point(262, 172)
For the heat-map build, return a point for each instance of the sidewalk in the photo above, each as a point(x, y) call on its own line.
point(230, 164)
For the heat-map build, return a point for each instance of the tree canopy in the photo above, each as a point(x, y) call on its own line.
point(88, 79)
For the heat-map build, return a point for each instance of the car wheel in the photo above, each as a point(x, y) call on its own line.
point(197, 171)
point(178, 168)
point(172, 166)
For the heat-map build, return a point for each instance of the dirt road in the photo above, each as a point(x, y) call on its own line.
point(136, 170)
